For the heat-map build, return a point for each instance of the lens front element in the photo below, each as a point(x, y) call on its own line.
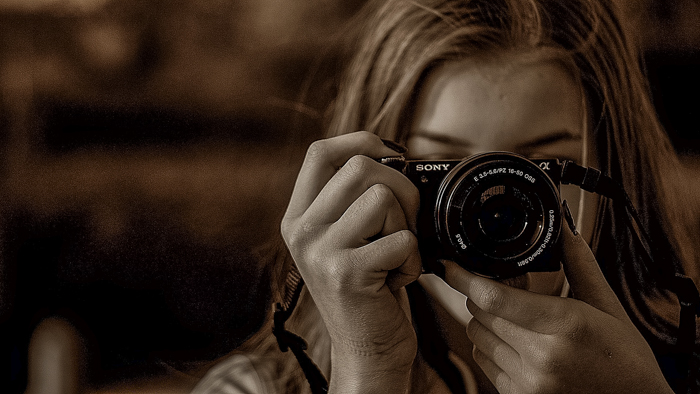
point(503, 213)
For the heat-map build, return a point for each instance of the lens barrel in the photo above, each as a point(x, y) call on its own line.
point(499, 215)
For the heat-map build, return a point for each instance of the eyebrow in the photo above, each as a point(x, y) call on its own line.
point(550, 138)
point(546, 139)
point(440, 138)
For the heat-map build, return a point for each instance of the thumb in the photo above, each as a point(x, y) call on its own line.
point(587, 281)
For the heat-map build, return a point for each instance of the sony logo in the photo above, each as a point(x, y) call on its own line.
point(432, 167)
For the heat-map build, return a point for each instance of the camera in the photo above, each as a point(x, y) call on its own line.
point(496, 214)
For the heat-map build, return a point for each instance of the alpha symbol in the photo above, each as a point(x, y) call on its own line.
point(544, 165)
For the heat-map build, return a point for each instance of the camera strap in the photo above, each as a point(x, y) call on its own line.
point(591, 180)
point(287, 340)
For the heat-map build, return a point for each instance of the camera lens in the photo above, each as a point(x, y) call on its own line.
point(500, 218)
point(498, 214)
point(503, 215)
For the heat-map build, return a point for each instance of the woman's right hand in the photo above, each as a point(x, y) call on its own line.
point(350, 227)
point(534, 343)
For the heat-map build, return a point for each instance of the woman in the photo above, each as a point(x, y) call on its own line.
point(449, 79)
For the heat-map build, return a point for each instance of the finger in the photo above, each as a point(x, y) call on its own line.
point(520, 281)
point(495, 348)
point(450, 299)
point(324, 158)
point(532, 311)
point(496, 375)
point(396, 253)
point(587, 281)
point(517, 337)
point(357, 175)
point(375, 212)
point(407, 273)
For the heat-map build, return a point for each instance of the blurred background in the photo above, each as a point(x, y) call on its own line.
point(147, 151)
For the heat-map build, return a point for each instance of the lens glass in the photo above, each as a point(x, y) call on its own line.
point(501, 218)
point(504, 213)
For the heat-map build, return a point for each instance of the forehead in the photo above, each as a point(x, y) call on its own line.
point(503, 100)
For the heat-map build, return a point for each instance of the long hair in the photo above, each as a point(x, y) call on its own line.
point(402, 40)
point(399, 41)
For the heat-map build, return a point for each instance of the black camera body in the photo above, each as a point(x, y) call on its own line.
point(496, 214)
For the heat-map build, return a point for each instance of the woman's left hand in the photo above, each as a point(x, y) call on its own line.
point(533, 343)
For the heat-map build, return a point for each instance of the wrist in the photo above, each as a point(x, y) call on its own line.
point(348, 382)
point(369, 367)
point(361, 374)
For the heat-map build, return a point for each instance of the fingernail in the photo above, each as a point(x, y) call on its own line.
point(398, 148)
point(568, 217)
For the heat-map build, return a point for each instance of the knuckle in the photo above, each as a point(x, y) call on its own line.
point(398, 241)
point(540, 383)
point(479, 356)
point(382, 194)
point(317, 151)
point(500, 379)
point(287, 229)
point(297, 235)
point(344, 270)
point(491, 299)
point(474, 330)
point(546, 359)
point(552, 354)
point(327, 265)
point(406, 239)
point(574, 327)
point(504, 384)
point(314, 258)
point(357, 165)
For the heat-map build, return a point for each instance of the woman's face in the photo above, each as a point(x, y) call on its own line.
point(517, 103)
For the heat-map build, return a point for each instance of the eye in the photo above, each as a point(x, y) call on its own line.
point(422, 148)
point(563, 150)
point(438, 156)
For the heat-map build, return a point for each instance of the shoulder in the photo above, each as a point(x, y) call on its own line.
point(238, 374)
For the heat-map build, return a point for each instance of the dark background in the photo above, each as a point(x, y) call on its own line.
point(148, 149)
